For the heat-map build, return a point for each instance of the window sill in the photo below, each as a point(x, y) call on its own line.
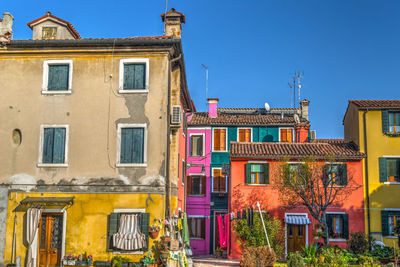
point(52, 165)
point(128, 252)
point(133, 91)
point(390, 237)
point(199, 239)
point(392, 134)
point(337, 240)
point(56, 92)
point(219, 151)
point(219, 192)
point(196, 195)
point(196, 156)
point(256, 184)
point(391, 182)
point(131, 165)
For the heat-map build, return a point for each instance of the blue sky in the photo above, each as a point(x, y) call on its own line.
point(347, 49)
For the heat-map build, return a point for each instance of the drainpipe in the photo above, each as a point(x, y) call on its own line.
point(366, 175)
point(186, 161)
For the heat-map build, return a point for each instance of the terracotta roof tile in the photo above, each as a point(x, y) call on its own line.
point(328, 141)
point(224, 119)
point(334, 150)
point(376, 104)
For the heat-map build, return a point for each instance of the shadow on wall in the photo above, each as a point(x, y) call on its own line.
point(268, 138)
point(385, 197)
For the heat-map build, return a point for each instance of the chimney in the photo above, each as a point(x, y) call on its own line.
point(302, 132)
point(173, 23)
point(6, 27)
point(304, 108)
point(212, 107)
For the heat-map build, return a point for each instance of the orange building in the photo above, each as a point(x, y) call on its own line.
point(254, 169)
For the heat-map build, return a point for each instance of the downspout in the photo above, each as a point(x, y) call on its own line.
point(366, 175)
point(185, 172)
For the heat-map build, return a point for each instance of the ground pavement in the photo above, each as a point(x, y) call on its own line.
point(208, 261)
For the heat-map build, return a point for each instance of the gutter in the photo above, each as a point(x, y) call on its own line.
point(366, 174)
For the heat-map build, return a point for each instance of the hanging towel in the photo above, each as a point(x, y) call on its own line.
point(226, 225)
point(185, 233)
point(221, 231)
point(179, 224)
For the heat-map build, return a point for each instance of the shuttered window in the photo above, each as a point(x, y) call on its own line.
point(390, 220)
point(54, 145)
point(286, 135)
point(132, 145)
point(394, 122)
point(197, 228)
point(58, 77)
point(257, 173)
point(389, 170)
point(134, 76)
point(196, 185)
point(337, 173)
point(219, 181)
point(219, 139)
point(196, 145)
point(338, 225)
point(113, 225)
point(244, 135)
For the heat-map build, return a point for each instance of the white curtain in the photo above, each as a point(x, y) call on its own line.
point(32, 226)
point(129, 236)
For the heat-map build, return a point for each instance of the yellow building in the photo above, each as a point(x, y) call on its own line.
point(90, 135)
point(374, 125)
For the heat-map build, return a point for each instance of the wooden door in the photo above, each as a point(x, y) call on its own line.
point(50, 239)
point(296, 237)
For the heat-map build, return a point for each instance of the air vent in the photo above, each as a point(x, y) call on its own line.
point(176, 116)
point(313, 135)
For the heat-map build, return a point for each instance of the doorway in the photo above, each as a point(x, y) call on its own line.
point(296, 237)
point(215, 229)
point(50, 239)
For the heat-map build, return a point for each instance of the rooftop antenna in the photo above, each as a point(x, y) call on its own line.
point(206, 68)
point(297, 77)
point(165, 14)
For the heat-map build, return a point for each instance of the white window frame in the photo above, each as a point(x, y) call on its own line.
point(251, 133)
point(190, 143)
point(198, 174)
point(391, 157)
point(40, 163)
point(306, 233)
point(259, 163)
point(293, 133)
point(122, 62)
point(45, 83)
point(226, 139)
point(131, 125)
point(212, 180)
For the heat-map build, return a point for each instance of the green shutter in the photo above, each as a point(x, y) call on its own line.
point(134, 76)
point(266, 173)
point(113, 222)
point(248, 173)
point(385, 222)
point(59, 145)
point(385, 121)
point(58, 77)
point(144, 228)
point(343, 174)
point(382, 170)
point(329, 223)
point(126, 145)
point(345, 226)
point(138, 145)
point(48, 140)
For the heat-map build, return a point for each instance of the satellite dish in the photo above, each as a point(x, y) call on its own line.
point(267, 108)
point(296, 118)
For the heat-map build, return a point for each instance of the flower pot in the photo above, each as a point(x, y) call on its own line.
point(167, 238)
point(154, 234)
point(70, 262)
point(322, 258)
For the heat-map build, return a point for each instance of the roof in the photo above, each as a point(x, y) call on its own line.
point(226, 119)
point(317, 151)
point(376, 104)
point(49, 15)
point(44, 201)
point(328, 141)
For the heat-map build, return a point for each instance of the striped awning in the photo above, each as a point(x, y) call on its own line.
point(297, 219)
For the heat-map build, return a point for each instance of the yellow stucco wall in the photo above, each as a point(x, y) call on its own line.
point(86, 223)
point(382, 195)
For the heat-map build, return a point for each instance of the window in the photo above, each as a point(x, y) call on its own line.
point(389, 169)
point(219, 137)
point(197, 228)
point(338, 225)
point(257, 173)
point(394, 221)
point(244, 135)
point(394, 122)
point(57, 77)
point(118, 225)
point(390, 220)
point(196, 185)
point(337, 173)
point(286, 135)
point(132, 144)
point(196, 145)
point(219, 181)
point(49, 33)
point(134, 75)
point(53, 145)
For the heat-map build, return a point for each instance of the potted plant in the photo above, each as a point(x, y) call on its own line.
point(218, 252)
point(148, 260)
point(160, 250)
point(154, 231)
point(69, 259)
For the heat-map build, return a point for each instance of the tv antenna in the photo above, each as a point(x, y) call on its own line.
point(296, 79)
point(206, 68)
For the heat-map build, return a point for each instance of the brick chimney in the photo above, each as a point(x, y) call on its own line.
point(173, 23)
point(302, 132)
point(6, 27)
point(212, 107)
point(304, 108)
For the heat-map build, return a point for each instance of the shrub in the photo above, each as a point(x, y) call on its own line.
point(382, 252)
point(295, 260)
point(254, 236)
point(310, 254)
point(334, 256)
point(357, 243)
point(258, 257)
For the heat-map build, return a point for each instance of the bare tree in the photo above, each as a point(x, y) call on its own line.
point(315, 185)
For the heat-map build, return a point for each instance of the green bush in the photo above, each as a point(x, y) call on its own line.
point(254, 236)
point(382, 252)
point(310, 254)
point(334, 257)
point(295, 260)
point(357, 243)
point(258, 257)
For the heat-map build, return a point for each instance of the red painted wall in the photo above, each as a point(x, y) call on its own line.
point(242, 196)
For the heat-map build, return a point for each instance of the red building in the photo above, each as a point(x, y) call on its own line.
point(254, 169)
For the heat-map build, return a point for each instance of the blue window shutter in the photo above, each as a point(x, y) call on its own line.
point(59, 145)
point(382, 170)
point(129, 71)
point(138, 145)
point(48, 140)
point(134, 76)
point(126, 145)
point(58, 77)
point(140, 76)
point(385, 121)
